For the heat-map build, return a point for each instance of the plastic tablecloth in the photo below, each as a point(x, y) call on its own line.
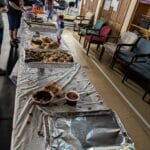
point(90, 125)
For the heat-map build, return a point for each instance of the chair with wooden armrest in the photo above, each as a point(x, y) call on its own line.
point(141, 70)
point(141, 47)
point(124, 38)
point(94, 30)
point(82, 21)
point(100, 39)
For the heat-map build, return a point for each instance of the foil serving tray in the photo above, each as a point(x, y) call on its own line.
point(89, 130)
point(39, 64)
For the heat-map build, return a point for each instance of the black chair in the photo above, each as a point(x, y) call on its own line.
point(140, 48)
point(141, 70)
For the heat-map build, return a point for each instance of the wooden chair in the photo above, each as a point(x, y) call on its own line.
point(140, 48)
point(125, 38)
point(97, 39)
point(141, 70)
point(83, 21)
point(95, 30)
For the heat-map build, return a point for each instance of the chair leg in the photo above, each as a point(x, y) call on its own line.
point(125, 78)
point(113, 62)
point(146, 92)
point(97, 46)
point(101, 53)
point(84, 44)
point(74, 28)
point(80, 38)
point(88, 48)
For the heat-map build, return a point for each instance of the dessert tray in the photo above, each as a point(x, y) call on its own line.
point(43, 43)
point(38, 24)
point(44, 59)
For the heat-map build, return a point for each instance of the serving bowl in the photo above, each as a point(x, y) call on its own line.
point(42, 97)
point(72, 97)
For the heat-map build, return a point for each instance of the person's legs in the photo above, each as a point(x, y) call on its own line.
point(59, 35)
point(1, 38)
point(11, 35)
point(11, 21)
point(50, 12)
point(15, 33)
point(2, 72)
point(16, 27)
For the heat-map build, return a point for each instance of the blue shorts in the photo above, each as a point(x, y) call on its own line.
point(14, 22)
point(1, 35)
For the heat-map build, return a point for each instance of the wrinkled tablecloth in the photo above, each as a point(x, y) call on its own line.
point(49, 128)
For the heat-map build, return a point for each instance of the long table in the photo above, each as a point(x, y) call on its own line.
point(88, 125)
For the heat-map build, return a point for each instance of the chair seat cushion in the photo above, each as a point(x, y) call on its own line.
point(92, 38)
point(143, 69)
point(69, 18)
point(85, 22)
point(83, 32)
point(76, 21)
point(127, 56)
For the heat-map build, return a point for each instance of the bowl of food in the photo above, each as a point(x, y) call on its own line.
point(72, 97)
point(54, 88)
point(42, 97)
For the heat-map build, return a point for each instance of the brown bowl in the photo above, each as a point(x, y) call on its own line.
point(54, 88)
point(42, 97)
point(72, 97)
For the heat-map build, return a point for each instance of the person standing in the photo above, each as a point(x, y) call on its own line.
point(15, 9)
point(71, 5)
point(49, 8)
point(60, 23)
point(2, 9)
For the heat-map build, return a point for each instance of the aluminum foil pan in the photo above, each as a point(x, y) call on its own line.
point(87, 131)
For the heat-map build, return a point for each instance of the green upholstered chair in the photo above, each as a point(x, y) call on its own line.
point(95, 29)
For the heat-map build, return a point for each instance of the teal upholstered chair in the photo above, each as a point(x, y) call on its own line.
point(95, 29)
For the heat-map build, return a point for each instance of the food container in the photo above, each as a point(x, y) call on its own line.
point(42, 97)
point(37, 58)
point(72, 97)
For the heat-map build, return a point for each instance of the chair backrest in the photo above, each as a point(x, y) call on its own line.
point(89, 15)
point(143, 46)
point(99, 24)
point(105, 32)
point(128, 38)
